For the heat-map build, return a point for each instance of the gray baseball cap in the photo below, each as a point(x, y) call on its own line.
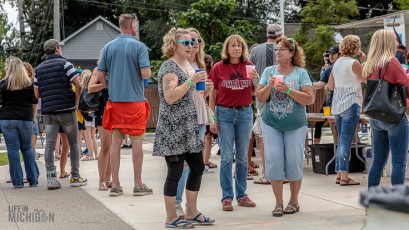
point(51, 44)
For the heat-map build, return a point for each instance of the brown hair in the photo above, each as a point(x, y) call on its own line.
point(298, 58)
point(169, 41)
point(239, 39)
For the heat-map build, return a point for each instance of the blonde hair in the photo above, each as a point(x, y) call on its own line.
point(29, 69)
point(169, 41)
point(381, 50)
point(201, 54)
point(16, 75)
point(350, 45)
point(86, 76)
point(239, 39)
point(298, 58)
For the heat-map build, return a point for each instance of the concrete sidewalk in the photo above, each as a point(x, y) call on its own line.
point(324, 205)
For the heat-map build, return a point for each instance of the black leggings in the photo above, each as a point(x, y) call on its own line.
point(318, 125)
point(175, 169)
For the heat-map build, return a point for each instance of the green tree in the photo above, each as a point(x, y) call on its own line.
point(403, 4)
point(7, 40)
point(316, 33)
point(214, 19)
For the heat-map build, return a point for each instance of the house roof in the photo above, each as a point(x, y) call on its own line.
point(371, 22)
point(88, 25)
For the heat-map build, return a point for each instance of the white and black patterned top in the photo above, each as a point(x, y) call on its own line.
point(177, 131)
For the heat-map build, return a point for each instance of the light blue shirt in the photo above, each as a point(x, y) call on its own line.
point(281, 112)
point(123, 58)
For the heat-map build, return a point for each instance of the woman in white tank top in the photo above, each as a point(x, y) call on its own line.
point(345, 80)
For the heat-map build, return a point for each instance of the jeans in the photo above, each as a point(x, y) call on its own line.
point(385, 137)
point(186, 170)
point(234, 129)
point(17, 134)
point(284, 153)
point(69, 124)
point(346, 123)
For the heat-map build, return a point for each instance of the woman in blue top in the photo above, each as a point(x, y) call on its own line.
point(284, 119)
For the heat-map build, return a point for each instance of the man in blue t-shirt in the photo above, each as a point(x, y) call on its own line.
point(127, 62)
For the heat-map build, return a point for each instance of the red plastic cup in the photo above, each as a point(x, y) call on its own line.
point(249, 69)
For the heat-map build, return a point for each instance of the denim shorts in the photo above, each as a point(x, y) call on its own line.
point(284, 153)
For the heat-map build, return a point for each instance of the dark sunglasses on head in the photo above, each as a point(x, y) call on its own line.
point(186, 42)
point(199, 40)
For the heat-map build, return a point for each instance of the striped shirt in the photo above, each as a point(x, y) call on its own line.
point(70, 73)
point(348, 89)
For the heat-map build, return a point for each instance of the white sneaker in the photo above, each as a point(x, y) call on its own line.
point(179, 211)
point(208, 170)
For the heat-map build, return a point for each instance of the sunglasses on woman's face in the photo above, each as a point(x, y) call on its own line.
point(199, 40)
point(186, 42)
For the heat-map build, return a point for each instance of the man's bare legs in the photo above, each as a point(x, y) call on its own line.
point(137, 159)
point(115, 158)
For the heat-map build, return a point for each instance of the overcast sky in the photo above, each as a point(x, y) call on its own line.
point(12, 14)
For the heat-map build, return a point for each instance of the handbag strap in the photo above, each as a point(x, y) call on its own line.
point(380, 70)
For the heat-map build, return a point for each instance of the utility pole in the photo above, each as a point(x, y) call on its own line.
point(57, 20)
point(20, 5)
point(282, 14)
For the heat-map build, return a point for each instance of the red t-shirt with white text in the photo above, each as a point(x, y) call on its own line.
point(234, 88)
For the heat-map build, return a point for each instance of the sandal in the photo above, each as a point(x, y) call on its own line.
point(212, 165)
point(102, 187)
point(179, 223)
point(205, 221)
point(291, 209)
point(108, 184)
point(337, 180)
point(65, 175)
point(262, 181)
point(87, 158)
point(254, 165)
point(278, 210)
point(348, 182)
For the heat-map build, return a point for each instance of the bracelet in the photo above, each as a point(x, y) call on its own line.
point(214, 118)
point(34, 118)
point(288, 91)
point(190, 82)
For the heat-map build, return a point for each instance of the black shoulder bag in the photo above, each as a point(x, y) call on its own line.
point(385, 101)
point(89, 101)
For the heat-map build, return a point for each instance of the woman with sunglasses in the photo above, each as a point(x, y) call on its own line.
point(345, 80)
point(231, 99)
point(177, 132)
point(196, 61)
point(287, 89)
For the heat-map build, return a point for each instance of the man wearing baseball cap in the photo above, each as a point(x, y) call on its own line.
point(52, 83)
point(263, 55)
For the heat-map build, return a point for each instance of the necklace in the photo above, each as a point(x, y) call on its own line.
point(237, 71)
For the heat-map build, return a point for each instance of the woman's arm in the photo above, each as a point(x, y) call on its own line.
point(93, 85)
point(357, 69)
point(212, 105)
point(331, 83)
point(263, 92)
point(34, 109)
point(172, 92)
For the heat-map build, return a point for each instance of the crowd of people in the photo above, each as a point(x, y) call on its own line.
point(199, 101)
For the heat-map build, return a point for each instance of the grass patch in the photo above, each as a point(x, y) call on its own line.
point(4, 160)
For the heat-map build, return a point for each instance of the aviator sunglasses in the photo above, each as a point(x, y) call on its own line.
point(186, 42)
